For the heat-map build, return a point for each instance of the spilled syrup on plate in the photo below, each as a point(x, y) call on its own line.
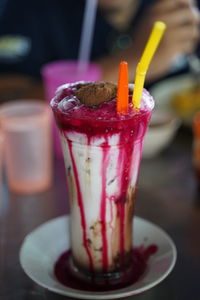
point(138, 266)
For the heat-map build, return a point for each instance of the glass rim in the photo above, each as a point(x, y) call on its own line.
point(63, 113)
point(35, 109)
point(49, 68)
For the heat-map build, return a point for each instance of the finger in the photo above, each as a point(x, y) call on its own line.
point(187, 2)
point(185, 32)
point(164, 6)
point(181, 40)
point(169, 5)
point(181, 48)
point(180, 17)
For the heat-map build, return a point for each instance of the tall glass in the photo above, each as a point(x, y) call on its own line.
point(102, 159)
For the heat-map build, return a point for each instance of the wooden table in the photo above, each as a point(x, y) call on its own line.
point(167, 194)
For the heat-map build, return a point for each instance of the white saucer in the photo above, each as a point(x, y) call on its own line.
point(42, 247)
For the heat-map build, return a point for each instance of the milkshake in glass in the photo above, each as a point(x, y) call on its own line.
point(102, 151)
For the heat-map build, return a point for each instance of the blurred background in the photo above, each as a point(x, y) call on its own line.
point(35, 33)
point(45, 43)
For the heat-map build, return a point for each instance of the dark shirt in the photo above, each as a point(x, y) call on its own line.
point(35, 32)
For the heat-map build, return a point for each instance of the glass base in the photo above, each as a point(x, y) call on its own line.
point(100, 278)
point(71, 275)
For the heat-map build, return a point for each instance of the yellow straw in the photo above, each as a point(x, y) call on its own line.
point(143, 65)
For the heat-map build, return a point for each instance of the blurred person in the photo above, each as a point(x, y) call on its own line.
point(33, 33)
point(181, 37)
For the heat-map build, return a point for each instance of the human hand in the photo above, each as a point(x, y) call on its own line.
point(182, 19)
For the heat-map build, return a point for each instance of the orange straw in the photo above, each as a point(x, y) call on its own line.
point(122, 92)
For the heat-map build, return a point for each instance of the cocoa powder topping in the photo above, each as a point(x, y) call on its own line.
point(95, 93)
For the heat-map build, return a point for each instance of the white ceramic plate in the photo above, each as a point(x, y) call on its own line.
point(42, 247)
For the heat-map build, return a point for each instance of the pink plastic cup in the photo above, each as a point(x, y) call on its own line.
point(60, 72)
point(26, 126)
